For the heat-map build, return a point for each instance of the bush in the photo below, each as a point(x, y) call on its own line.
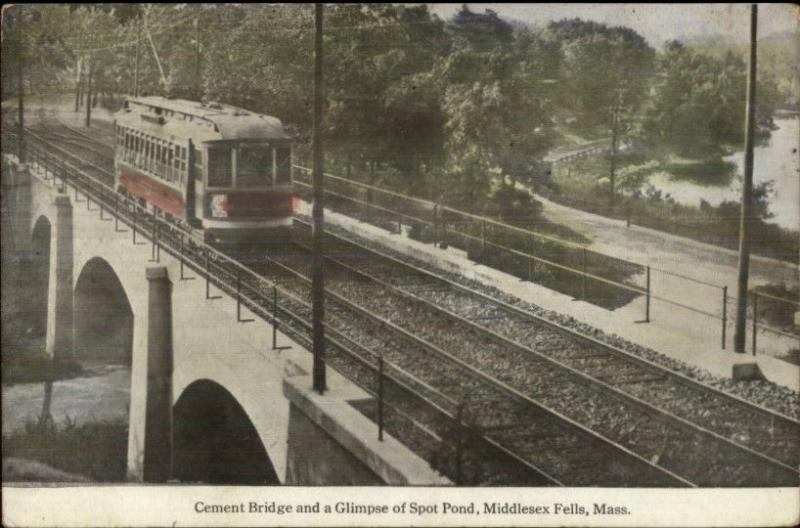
point(36, 367)
point(778, 314)
point(95, 450)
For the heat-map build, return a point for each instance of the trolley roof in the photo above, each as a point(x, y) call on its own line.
point(212, 121)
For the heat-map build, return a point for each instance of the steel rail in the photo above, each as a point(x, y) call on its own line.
point(500, 337)
point(272, 317)
point(572, 333)
point(511, 391)
point(604, 386)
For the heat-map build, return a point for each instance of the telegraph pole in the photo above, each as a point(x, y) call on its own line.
point(197, 88)
point(747, 193)
point(21, 101)
point(89, 79)
point(78, 81)
point(318, 229)
point(89, 91)
point(136, 65)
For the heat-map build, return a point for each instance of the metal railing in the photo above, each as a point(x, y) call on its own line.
point(533, 256)
point(393, 388)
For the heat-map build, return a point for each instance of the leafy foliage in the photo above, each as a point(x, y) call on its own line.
point(446, 109)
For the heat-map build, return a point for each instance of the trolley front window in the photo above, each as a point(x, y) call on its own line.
point(253, 166)
point(219, 167)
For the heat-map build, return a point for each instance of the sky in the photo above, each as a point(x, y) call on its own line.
point(656, 22)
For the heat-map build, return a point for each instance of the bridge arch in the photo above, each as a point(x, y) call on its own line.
point(38, 277)
point(215, 441)
point(103, 315)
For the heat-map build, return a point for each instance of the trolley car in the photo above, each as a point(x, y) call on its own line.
point(216, 167)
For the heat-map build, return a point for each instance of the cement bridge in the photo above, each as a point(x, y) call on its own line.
point(212, 399)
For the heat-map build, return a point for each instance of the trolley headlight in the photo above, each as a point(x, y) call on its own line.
point(219, 206)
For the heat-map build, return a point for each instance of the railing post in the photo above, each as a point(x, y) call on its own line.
point(208, 279)
point(183, 260)
point(153, 242)
point(274, 317)
point(436, 225)
point(181, 256)
point(583, 277)
point(275, 321)
point(755, 320)
point(380, 398)
point(135, 219)
point(647, 299)
point(239, 300)
point(63, 179)
point(208, 276)
point(238, 297)
point(459, 443)
point(724, 314)
point(116, 213)
point(483, 237)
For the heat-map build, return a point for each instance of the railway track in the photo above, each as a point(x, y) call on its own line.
point(561, 448)
point(555, 452)
point(674, 444)
point(752, 426)
point(620, 406)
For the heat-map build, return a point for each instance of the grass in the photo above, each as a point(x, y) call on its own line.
point(95, 450)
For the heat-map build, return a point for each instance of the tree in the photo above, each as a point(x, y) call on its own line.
point(605, 74)
point(496, 104)
point(698, 102)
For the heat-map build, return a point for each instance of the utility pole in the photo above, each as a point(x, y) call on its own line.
point(136, 64)
point(90, 74)
point(615, 126)
point(747, 193)
point(197, 86)
point(89, 91)
point(21, 101)
point(318, 229)
point(78, 81)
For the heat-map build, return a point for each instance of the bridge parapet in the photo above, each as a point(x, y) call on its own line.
point(332, 443)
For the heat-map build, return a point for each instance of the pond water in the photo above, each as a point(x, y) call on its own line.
point(103, 396)
point(777, 160)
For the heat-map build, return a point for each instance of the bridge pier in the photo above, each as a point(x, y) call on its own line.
point(17, 204)
point(60, 343)
point(158, 420)
point(16, 225)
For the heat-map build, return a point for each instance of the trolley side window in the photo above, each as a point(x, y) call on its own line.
point(253, 166)
point(283, 165)
point(146, 153)
point(219, 167)
point(128, 144)
point(175, 163)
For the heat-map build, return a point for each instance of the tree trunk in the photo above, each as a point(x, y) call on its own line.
point(613, 169)
point(79, 93)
